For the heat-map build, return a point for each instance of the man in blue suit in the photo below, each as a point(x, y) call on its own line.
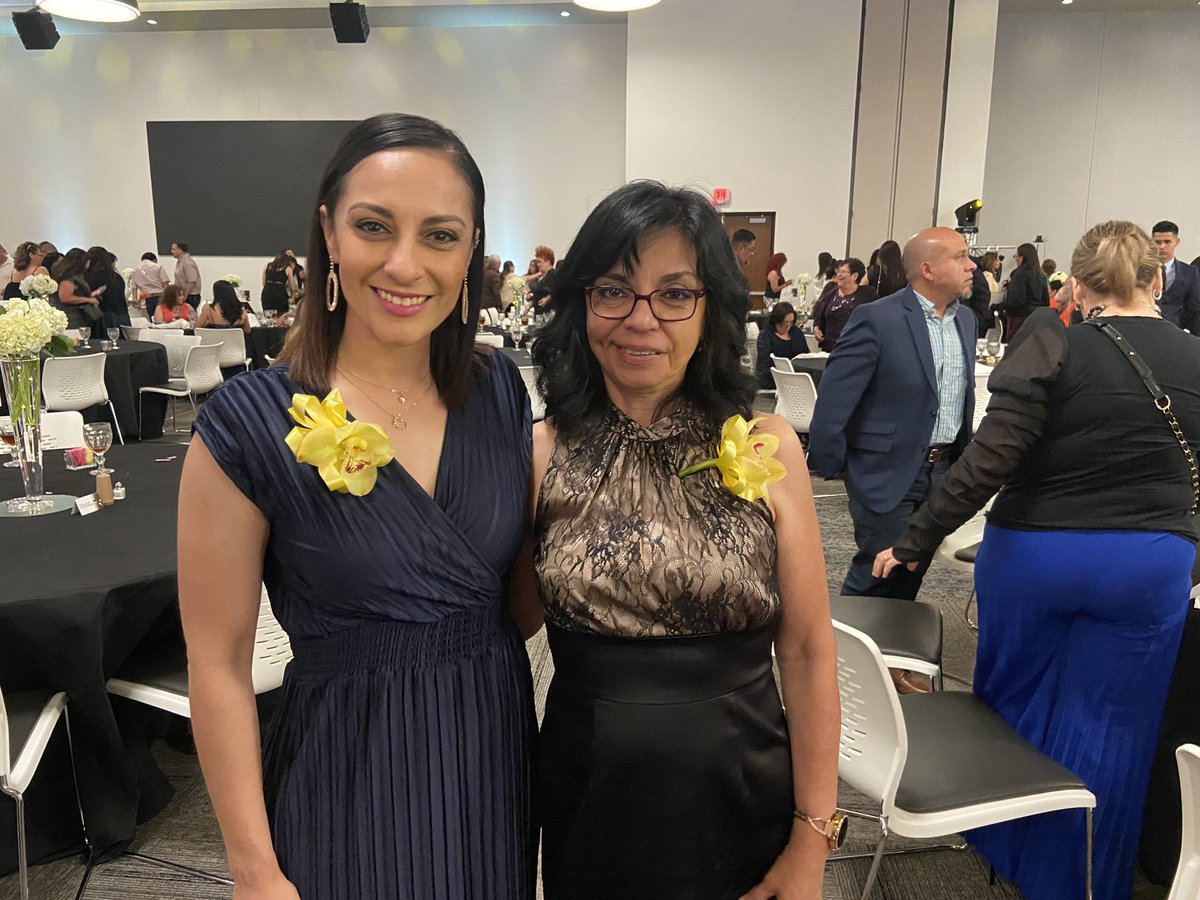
point(895, 404)
point(1180, 303)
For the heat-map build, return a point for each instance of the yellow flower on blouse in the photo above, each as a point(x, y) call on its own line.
point(745, 460)
point(347, 454)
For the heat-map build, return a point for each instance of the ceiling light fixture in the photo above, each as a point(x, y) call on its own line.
point(93, 10)
point(565, 14)
point(616, 5)
point(152, 21)
point(1067, 2)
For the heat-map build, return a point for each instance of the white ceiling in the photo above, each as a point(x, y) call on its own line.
point(220, 15)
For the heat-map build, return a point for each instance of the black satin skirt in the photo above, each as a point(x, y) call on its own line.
point(663, 767)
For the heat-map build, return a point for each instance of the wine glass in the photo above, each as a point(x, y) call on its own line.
point(993, 348)
point(98, 437)
point(981, 347)
point(114, 334)
point(85, 336)
point(8, 437)
point(517, 334)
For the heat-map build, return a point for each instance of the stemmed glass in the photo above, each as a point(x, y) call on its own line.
point(114, 334)
point(98, 437)
point(85, 336)
point(8, 437)
point(517, 334)
point(993, 348)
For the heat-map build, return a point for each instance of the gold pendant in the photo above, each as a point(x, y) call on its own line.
point(399, 422)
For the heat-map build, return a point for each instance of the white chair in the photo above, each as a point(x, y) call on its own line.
point(795, 396)
point(908, 634)
point(62, 430)
point(490, 340)
point(491, 316)
point(529, 376)
point(1186, 885)
point(160, 679)
point(77, 383)
point(27, 722)
point(906, 754)
point(782, 363)
point(177, 346)
point(233, 352)
point(139, 321)
point(201, 374)
point(133, 332)
point(958, 549)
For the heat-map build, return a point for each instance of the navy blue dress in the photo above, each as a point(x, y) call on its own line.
point(397, 764)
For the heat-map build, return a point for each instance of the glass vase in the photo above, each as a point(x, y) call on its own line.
point(22, 377)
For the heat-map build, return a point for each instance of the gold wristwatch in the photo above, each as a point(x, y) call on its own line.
point(834, 828)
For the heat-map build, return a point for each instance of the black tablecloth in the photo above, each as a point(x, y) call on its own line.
point(520, 357)
point(264, 341)
point(79, 594)
point(813, 365)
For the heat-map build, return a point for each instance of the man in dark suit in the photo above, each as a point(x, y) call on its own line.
point(895, 405)
point(1180, 303)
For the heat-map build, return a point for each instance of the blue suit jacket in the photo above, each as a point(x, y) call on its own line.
point(878, 399)
point(1181, 302)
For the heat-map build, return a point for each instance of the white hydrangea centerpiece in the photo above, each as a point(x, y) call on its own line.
point(235, 280)
point(28, 327)
point(38, 286)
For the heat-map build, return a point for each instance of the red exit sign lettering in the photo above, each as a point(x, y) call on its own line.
point(720, 196)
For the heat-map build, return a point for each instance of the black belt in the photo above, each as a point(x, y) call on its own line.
point(938, 452)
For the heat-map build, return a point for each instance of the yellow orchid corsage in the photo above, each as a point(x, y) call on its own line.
point(347, 454)
point(746, 461)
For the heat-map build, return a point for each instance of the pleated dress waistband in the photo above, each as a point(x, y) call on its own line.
point(399, 645)
point(660, 670)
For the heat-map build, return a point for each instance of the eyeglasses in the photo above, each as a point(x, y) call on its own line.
point(611, 301)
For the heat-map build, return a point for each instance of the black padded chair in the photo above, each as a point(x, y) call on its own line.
point(908, 634)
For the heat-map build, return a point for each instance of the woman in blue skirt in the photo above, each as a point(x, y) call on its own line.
point(1085, 567)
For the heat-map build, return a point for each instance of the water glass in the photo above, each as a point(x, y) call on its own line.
point(114, 334)
point(993, 348)
point(517, 334)
point(981, 347)
point(85, 336)
point(98, 437)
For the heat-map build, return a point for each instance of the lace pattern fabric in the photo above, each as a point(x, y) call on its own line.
point(627, 548)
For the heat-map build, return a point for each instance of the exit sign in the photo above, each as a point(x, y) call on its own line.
point(720, 196)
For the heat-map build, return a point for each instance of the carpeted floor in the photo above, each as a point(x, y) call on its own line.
point(186, 832)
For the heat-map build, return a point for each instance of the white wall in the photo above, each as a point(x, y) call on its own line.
point(968, 106)
point(542, 110)
point(1094, 116)
point(756, 96)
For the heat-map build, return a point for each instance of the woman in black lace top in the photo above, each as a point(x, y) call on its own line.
point(665, 767)
point(1085, 567)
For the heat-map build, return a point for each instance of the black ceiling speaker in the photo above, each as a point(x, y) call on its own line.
point(36, 29)
point(349, 22)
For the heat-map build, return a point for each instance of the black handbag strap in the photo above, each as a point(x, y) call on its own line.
point(1162, 400)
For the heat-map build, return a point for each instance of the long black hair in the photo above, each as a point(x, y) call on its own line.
point(1030, 261)
point(225, 298)
point(312, 346)
point(570, 379)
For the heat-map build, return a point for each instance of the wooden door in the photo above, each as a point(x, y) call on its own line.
point(763, 226)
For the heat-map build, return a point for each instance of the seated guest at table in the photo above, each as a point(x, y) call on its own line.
point(781, 337)
point(27, 260)
point(225, 311)
point(663, 594)
point(279, 284)
point(102, 274)
point(491, 282)
point(775, 282)
point(846, 296)
point(398, 757)
point(149, 280)
point(1085, 567)
point(74, 293)
point(172, 306)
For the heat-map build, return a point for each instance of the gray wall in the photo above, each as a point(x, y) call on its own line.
point(1094, 116)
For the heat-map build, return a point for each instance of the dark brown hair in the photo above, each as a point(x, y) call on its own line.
point(172, 297)
point(312, 345)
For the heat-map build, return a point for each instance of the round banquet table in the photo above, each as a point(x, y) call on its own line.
point(80, 594)
point(813, 365)
point(264, 341)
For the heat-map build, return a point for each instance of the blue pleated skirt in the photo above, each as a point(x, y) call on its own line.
point(1078, 634)
point(398, 763)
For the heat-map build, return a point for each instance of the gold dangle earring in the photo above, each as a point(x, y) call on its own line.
point(466, 301)
point(331, 288)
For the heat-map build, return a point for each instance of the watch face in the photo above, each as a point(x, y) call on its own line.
point(842, 825)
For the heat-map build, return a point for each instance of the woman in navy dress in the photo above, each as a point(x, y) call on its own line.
point(375, 481)
point(1085, 567)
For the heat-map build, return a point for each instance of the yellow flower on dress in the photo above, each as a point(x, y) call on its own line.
point(746, 460)
point(347, 454)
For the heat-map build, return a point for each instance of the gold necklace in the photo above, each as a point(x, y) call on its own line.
point(399, 421)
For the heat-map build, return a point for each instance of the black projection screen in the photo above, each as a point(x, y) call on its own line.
point(238, 188)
